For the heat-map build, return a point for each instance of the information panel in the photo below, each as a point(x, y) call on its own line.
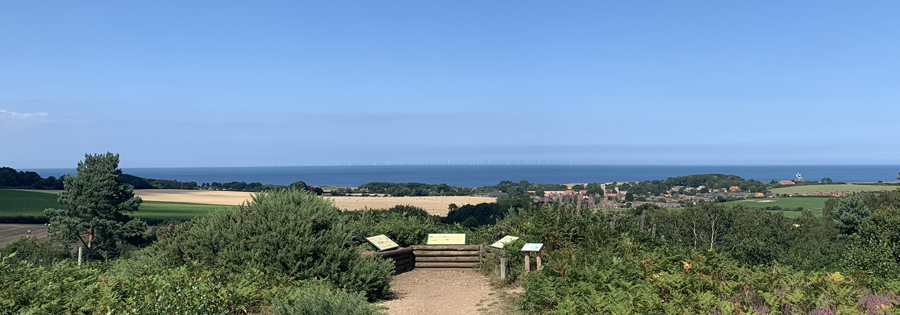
point(532, 247)
point(382, 242)
point(503, 241)
point(446, 239)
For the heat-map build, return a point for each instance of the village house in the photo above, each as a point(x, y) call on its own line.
point(787, 182)
point(734, 188)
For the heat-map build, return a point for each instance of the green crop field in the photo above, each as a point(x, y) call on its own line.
point(808, 189)
point(808, 203)
point(27, 203)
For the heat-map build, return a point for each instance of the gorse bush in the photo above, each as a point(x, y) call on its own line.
point(290, 233)
point(405, 225)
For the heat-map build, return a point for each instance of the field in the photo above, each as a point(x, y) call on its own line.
point(229, 198)
point(808, 189)
point(163, 204)
point(11, 232)
point(433, 205)
point(808, 203)
point(436, 205)
point(29, 203)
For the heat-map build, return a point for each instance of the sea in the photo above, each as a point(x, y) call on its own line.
point(487, 175)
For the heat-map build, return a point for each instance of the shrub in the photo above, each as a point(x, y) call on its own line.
point(477, 215)
point(290, 233)
point(55, 289)
point(64, 288)
point(318, 299)
point(405, 225)
point(34, 252)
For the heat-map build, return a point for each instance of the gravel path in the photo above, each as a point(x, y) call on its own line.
point(438, 292)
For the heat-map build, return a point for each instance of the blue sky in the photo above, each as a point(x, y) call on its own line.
point(222, 83)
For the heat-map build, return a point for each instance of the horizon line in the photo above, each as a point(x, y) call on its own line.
point(492, 164)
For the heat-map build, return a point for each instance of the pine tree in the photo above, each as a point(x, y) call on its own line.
point(97, 206)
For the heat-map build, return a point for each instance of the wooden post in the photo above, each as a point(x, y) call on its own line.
point(79, 255)
point(503, 264)
point(539, 261)
point(527, 263)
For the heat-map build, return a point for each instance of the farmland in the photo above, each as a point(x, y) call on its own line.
point(807, 203)
point(27, 203)
point(808, 189)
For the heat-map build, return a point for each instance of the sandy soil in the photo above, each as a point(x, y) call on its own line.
point(434, 205)
point(441, 292)
point(11, 232)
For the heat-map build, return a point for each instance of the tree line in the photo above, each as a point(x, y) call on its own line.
point(708, 181)
point(11, 178)
point(514, 189)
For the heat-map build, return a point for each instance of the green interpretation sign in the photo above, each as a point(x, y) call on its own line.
point(382, 242)
point(532, 247)
point(446, 239)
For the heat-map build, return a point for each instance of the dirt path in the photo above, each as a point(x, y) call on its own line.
point(434, 292)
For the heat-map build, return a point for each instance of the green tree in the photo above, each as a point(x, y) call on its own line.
point(299, 185)
point(629, 196)
point(877, 249)
point(97, 206)
point(850, 212)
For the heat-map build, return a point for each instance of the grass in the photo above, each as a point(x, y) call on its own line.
point(27, 203)
point(808, 203)
point(808, 189)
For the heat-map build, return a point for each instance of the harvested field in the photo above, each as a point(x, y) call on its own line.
point(11, 232)
point(228, 198)
point(436, 205)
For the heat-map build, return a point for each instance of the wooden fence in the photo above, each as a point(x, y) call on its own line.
point(447, 256)
point(442, 257)
point(403, 258)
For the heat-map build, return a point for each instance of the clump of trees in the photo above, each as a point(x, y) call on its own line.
point(519, 189)
point(485, 214)
point(413, 189)
point(710, 181)
point(10, 178)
